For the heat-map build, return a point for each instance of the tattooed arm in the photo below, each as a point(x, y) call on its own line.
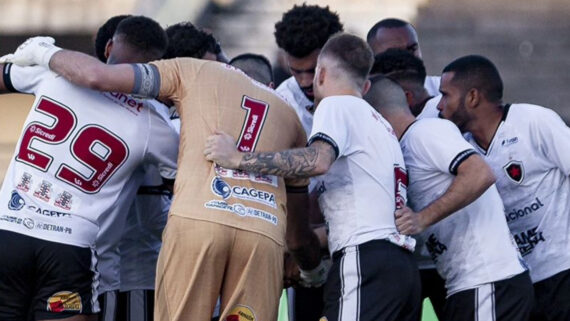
point(313, 160)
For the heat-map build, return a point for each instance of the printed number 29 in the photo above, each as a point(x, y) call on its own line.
point(95, 147)
point(253, 123)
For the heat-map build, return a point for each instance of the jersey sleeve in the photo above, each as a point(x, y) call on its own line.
point(552, 138)
point(23, 79)
point(441, 145)
point(331, 126)
point(162, 148)
point(176, 75)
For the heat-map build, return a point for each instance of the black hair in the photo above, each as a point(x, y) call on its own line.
point(385, 95)
point(105, 33)
point(352, 53)
point(305, 28)
point(256, 66)
point(144, 34)
point(386, 23)
point(185, 40)
point(400, 65)
point(477, 72)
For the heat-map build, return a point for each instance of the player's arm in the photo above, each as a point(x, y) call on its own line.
point(473, 178)
point(3, 88)
point(313, 160)
point(302, 242)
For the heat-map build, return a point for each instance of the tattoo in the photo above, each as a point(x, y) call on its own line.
point(293, 163)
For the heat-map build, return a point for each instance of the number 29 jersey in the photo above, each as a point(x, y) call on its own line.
point(77, 150)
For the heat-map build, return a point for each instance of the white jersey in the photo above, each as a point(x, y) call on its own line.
point(472, 246)
point(77, 151)
point(431, 84)
point(430, 108)
point(358, 194)
point(293, 94)
point(530, 157)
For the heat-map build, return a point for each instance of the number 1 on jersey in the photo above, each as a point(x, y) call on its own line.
point(253, 123)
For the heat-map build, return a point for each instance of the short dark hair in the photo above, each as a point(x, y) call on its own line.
point(385, 94)
point(305, 28)
point(400, 65)
point(144, 34)
point(105, 33)
point(185, 40)
point(352, 53)
point(386, 23)
point(256, 66)
point(477, 72)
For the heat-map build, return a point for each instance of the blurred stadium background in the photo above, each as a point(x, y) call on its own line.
point(527, 39)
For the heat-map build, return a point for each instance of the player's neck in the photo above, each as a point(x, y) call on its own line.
point(400, 121)
point(487, 125)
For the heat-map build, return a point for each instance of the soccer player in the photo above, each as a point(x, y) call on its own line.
point(363, 183)
point(225, 234)
point(76, 153)
point(256, 66)
point(185, 40)
point(104, 34)
point(457, 213)
point(527, 148)
point(395, 33)
point(301, 33)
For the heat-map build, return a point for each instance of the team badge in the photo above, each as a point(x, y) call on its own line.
point(16, 202)
point(64, 301)
point(515, 171)
point(221, 188)
point(241, 313)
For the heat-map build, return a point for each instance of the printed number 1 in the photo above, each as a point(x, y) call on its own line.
point(253, 123)
point(111, 154)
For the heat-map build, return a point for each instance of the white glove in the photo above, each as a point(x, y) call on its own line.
point(34, 51)
point(317, 276)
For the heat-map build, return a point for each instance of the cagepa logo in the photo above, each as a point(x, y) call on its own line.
point(221, 188)
point(16, 202)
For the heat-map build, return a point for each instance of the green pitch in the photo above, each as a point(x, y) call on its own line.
point(428, 314)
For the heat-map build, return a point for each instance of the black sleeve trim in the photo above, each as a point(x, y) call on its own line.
point(297, 189)
point(454, 165)
point(7, 79)
point(327, 139)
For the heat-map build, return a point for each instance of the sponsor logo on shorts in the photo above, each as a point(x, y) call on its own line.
point(435, 247)
point(241, 313)
point(515, 214)
point(25, 182)
point(44, 191)
point(64, 200)
point(528, 240)
point(224, 190)
point(242, 210)
point(64, 301)
point(16, 202)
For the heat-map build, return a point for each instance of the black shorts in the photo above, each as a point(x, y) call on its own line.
point(506, 300)
point(45, 280)
point(134, 305)
point(433, 287)
point(552, 297)
point(373, 281)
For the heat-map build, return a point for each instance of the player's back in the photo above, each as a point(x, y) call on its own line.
point(216, 96)
point(76, 151)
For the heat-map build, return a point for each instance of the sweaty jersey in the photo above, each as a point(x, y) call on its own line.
point(359, 193)
point(77, 150)
point(291, 91)
point(210, 96)
point(472, 246)
point(530, 157)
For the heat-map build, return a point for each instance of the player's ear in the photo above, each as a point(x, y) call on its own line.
point(320, 76)
point(108, 48)
point(473, 98)
point(366, 87)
